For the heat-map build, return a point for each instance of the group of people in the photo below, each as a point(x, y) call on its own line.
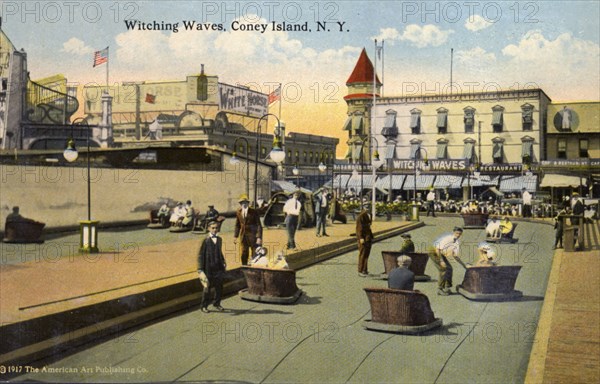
point(184, 215)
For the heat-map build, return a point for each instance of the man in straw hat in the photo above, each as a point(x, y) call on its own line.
point(247, 229)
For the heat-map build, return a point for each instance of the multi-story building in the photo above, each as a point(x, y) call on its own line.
point(470, 140)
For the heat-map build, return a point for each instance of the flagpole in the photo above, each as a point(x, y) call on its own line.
point(279, 101)
point(451, 60)
point(107, 64)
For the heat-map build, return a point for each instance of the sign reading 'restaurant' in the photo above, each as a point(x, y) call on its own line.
point(242, 100)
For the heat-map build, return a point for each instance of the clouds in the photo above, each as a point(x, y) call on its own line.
point(476, 56)
point(77, 47)
point(477, 23)
point(416, 35)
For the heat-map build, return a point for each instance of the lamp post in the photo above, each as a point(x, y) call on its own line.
point(375, 163)
point(88, 229)
point(415, 212)
point(296, 172)
point(277, 153)
point(235, 161)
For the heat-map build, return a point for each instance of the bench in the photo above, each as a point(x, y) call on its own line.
point(23, 231)
point(267, 285)
point(490, 283)
point(398, 311)
point(505, 238)
point(419, 262)
point(475, 220)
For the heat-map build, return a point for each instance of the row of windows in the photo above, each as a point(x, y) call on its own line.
point(305, 157)
point(498, 155)
point(561, 148)
point(390, 128)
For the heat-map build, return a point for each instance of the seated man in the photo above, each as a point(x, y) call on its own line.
point(407, 244)
point(487, 256)
point(260, 259)
point(493, 228)
point(163, 213)
point(506, 226)
point(402, 277)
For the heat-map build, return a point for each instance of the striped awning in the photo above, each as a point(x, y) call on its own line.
point(468, 152)
point(497, 118)
point(415, 120)
point(527, 149)
point(442, 119)
point(497, 154)
point(286, 187)
point(384, 182)
point(340, 181)
point(442, 151)
point(423, 181)
point(447, 181)
point(355, 181)
point(514, 183)
point(481, 181)
point(413, 150)
point(390, 151)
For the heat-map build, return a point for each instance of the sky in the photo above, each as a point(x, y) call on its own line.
point(553, 45)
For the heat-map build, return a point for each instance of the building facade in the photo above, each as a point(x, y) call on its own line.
point(501, 139)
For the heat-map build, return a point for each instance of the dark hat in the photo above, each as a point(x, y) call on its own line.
point(211, 206)
point(405, 235)
point(457, 229)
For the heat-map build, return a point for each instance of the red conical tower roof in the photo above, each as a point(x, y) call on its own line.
point(363, 70)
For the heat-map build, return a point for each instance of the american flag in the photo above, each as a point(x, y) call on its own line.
point(101, 57)
point(275, 95)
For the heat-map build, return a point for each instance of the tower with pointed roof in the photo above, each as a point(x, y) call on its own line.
point(359, 100)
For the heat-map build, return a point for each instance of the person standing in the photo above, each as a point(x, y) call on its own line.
point(559, 225)
point(402, 277)
point(444, 247)
point(407, 245)
point(526, 203)
point(365, 239)
point(321, 209)
point(248, 230)
point(211, 267)
point(292, 210)
point(431, 203)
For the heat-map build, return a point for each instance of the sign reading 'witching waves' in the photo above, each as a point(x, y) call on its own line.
point(242, 100)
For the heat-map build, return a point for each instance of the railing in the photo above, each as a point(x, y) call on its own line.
point(46, 105)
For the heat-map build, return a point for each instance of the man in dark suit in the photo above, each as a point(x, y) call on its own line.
point(211, 267)
point(365, 239)
point(247, 228)
point(321, 208)
point(407, 245)
point(402, 277)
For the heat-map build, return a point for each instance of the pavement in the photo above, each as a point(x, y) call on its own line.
point(321, 338)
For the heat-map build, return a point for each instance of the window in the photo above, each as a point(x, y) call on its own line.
point(583, 148)
point(527, 116)
point(469, 150)
point(263, 151)
point(562, 148)
point(241, 148)
point(354, 123)
point(297, 155)
point(442, 149)
point(415, 121)
point(442, 121)
point(289, 154)
point(390, 151)
point(390, 129)
point(498, 152)
point(415, 152)
point(469, 119)
point(305, 156)
point(498, 118)
point(527, 152)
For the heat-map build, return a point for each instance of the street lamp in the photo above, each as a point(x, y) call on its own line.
point(88, 241)
point(235, 161)
point(277, 153)
point(322, 167)
point(296, 172)
point(415, 212)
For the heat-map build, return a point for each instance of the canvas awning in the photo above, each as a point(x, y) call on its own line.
point(468, 152)
point(340, 181)
point(286, 187)
point(384, 182)
point(423, 181)
point(481, 181)
point(447, 181)
point(442, 119)
point(355, 181)
point(514, 183)
point(441, 150)
point(390, 151)
point(555, 180)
